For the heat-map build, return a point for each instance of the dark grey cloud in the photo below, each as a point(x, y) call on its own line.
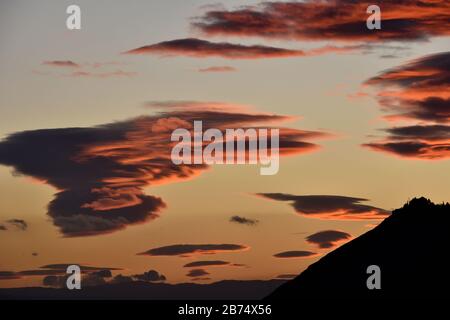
point(194, 273)
point(295, 254)
point(18, 223)
point(425, 132)
point(54, 281)
point(120, 278)
point(243, 220)
point(286, 276)
point(60, 270)
point(330, 206)
point(206, 263)
point(8, 275)
point(192, 249)
point(150, 276)
point(327, 238)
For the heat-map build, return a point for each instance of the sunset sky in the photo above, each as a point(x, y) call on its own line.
point(364, 117)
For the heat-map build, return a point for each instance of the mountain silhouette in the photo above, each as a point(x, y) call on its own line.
point(411, 248)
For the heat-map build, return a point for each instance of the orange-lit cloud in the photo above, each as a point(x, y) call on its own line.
point(418, 91)
point(100, 172)
point(329, 206)
point(336, 20)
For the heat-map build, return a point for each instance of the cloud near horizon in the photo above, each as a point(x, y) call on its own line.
point(187, 250)
point(335, 20)
point(417, 92)
point(100, 172)
point(55, 270)
point(195, 273)
point(329, 207)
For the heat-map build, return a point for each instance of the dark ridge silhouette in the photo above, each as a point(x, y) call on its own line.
point(138, 290)
point(411, 247)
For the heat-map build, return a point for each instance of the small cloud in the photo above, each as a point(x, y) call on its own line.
point(194, 273)
point(243, 220)
point(103, 273)
point(330, 206)
point(61, 63)
point(286, 276)
point(18, 223)
point(327, 238)
point(150, 276)
point(295, 254)
point(120, 278)
point(218, 69)
point(112, 74)
point(207, 263)
point(184, 250)
point(8, 275)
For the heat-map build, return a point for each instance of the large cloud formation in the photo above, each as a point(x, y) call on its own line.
point(187, 250)
point(329, 206)
point(417, 92)
point(100, 172)
point(343, 20)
